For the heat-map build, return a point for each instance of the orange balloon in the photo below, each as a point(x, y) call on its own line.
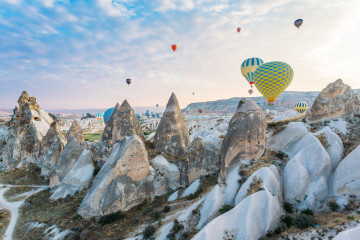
point(200, 110)
point(174, 47)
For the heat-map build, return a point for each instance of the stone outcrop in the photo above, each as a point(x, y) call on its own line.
point(203, 156)
point(125, 180)
point(27, 127)
point(53, 143)
point(245, 138)
point(336, 100)
point(76, 132)
point(122, 123)
point(77, 178)
point(167, 176)
point(172, 136)
point(66, 160)
point(100, 152)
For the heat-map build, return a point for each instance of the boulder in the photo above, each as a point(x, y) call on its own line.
point(347, 175)
point(53, 143)
point(100, 152)
point(250, 219)
point(245, 138)
point(350, 234)
point(66, 160)
point(77, 178)
point(125, 180)
point(305, 176)
point(172, 136)
point(336, 100)
point(122, 123)
point(167, 176)
point(203, 156)
point(76, 132)
point(27, 127)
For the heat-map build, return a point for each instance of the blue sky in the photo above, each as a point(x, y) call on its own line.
point(77, 54)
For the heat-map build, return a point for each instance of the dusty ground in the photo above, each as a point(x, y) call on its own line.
point(4, 221)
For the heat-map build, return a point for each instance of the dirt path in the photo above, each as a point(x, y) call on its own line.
point(13, 207)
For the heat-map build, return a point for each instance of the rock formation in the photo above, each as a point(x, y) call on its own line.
point(122, 123)
point(52, 145)
point(245, 138)
point(336, 100)
point(124, 181)
point(172, 136)
point(203, 156)
point(66, 160)
point(167, 176)
point(76, 132)
point(27, 127)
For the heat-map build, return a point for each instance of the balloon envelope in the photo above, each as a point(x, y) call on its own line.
point(301, 107)
point(248, 67)
point(200, 110)
point(128, 81)
point(147, 113)
point(108, 114)
point(100, 117)
point(271, 79)
point(298, 23)
point(174, 47)
point(238, 29)
point(138, 115)
point(250, 91)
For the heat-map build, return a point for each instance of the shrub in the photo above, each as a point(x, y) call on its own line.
point(194, 195)
point(96, 171)
point(350, 218)
point(166, 209)
point(75, 217)
point(147, 210)
point(136, 221)
point(333, 205)
point(303, 221)
point(288, 207)
point(177, 227)
point(307, 212)
point(280, 155)
point(110, 218)
point(225, 208)
point(149, 231)
point(277, 230)
point(195, 211)
point(288, 220)
point(155, 215)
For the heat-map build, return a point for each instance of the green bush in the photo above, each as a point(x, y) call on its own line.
point(75, 217)
point(147, 210)
point(110, 218)
point(350, 218)
point(96, 171)
point(288, 220)
point(277, 230)
point(194, 195)
point(177, 227)
point(280, 155)
point(288, 207)
point(156, 215)
point(307, 212)
point(166, 209)
point(149, 231)
point(225, 208)
point(194, 211)
point(333, 205)
point(303, 221)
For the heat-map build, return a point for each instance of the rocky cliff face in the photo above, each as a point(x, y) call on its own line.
point(27, 127)
point(336, 100)
point(76, 132)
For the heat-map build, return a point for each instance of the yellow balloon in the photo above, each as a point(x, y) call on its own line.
point(271, 79)
point(301, 107)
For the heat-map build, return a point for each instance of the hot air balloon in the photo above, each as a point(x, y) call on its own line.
point(174, 47)
point(157, 105)
point(301, 107)
point(272, 78)
point(187, 109)
point(193, 93)
point(153, 114)
point(147, 113)
point(250, 91)
point(138, 116)
point(100, 118)
point(108, 114)
point(298, 23)
point(128, 81)
point(238, 29)
point(158, 115)
point(200, 110)
point(248, 67)
point(259, 104)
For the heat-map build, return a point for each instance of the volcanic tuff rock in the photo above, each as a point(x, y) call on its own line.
point(203, 156)
point(125, 180)
point(27, 127)
point(53, 143)
point(172, 136)
point(245, 138)
point(167, 176)
point(76, 132)
point(122, 123)
point(67, 159)
point(336, 100)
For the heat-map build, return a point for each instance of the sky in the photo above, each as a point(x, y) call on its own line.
point(75, 54)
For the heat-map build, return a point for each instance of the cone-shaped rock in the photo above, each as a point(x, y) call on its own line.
point(53, 143)
point(76, 132)
point(124, 181)
point(336, 100)
point(245, 138)
point(122, 123)
point(27, 127)
point(172, 136)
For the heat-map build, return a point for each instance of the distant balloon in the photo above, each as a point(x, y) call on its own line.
point(259, 104)
point(272, 78)
point(174, 47)
point(187, 109)
point(158, 115)
point(100, 117)
point(248, 67)
point(128, 81)
point(153, 114)
point(108, 114)
point(147, 113)
point(250, 91)
point(193, 93)
point(138, 116)
point(157, 105)
point(298, 23)
point(200, 110)
point(238, 29)
point(301, 107)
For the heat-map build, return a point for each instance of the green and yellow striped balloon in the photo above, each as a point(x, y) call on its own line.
point(301, 107)
point(271, 79)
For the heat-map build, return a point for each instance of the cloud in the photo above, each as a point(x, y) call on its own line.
point(114, 8)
